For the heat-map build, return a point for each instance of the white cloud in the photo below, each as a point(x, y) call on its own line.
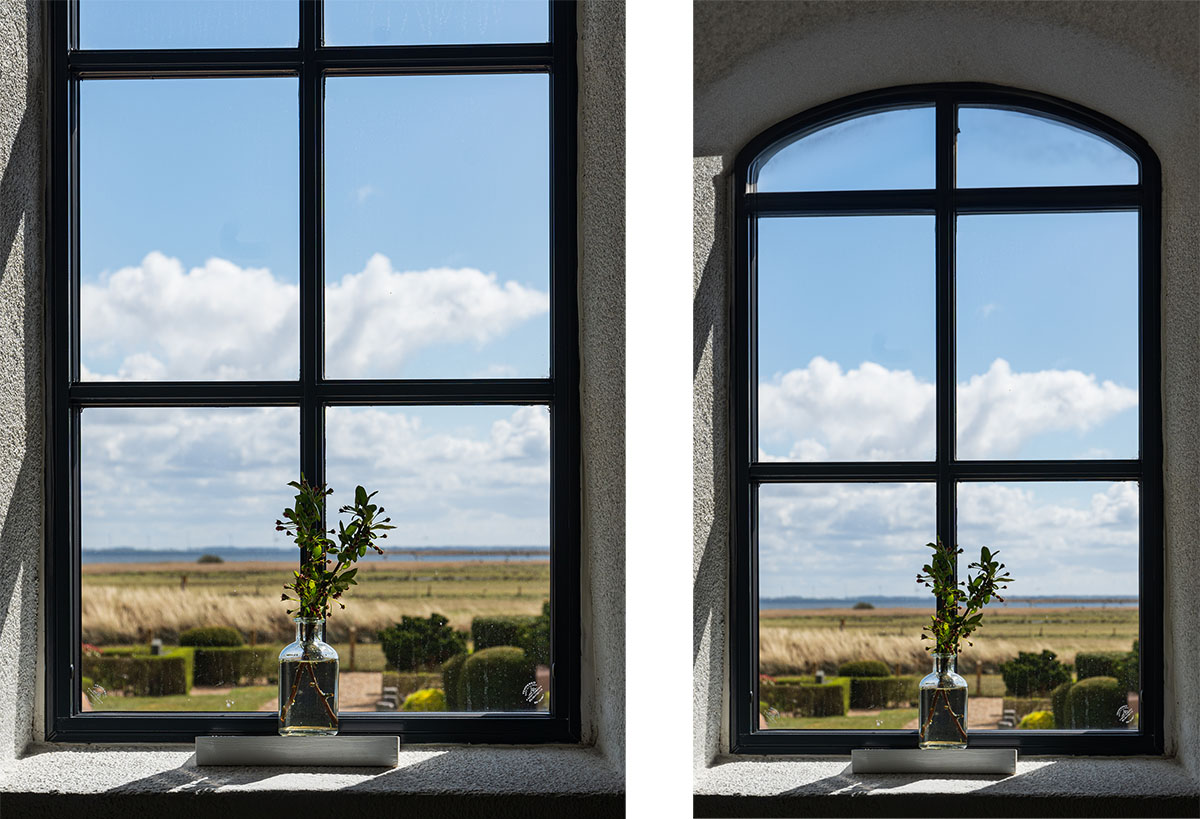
point(987, 309)
point(223, 322)
point(364, 192)
point(872, 413)
point(173, 477)
point(834, 540)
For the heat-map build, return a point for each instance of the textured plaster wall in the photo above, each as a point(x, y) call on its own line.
point(1139, 62)
point(602, 340)
point(20, 368)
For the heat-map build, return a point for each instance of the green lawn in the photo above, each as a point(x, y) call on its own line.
point(249, 698)
point(888, 718)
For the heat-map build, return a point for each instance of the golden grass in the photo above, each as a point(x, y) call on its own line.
point(123, 614)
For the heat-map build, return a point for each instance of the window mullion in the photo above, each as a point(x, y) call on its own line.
point(946, 129)
point(312, 345)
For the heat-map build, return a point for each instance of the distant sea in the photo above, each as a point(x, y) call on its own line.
point(1064, 601)
point(232, 554)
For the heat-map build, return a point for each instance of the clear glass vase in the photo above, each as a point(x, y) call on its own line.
point(943, 714)
point(308, 682)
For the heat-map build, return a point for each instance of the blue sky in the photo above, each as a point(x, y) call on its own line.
point(1046, 359)
point(437, 265)
point(274, 23)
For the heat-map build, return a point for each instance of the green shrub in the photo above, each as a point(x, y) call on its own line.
point(501, 630)
point(862, 605)
point(414, 644)
point(139, 675)
point(451, 679)
point(1100, 664)
point(427, 699)
point(1095, 703)
point(209, 559)
point(1031, 675)
point(864, 668)
point(210, 636)
point(495, 679)
point(535, 637)
point(807, 699)
point(1058, 703)
point(1132, 679)
point(406, 682)
point(1037, 720)
point(882, 692)
point(222, 665)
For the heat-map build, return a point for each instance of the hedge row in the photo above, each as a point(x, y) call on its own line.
point(1120, 665)
point(807, 699)
point(220, 665)
point(882, 692)
point(141, 675)
point(409, 682)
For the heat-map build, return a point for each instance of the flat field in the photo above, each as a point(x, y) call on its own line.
point(800, 641)
point(134, 602)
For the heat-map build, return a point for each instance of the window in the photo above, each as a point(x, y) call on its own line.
point(945, 323)
point(324, 238)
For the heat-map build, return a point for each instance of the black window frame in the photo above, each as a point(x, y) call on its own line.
point(66, 396)
point(944, 202)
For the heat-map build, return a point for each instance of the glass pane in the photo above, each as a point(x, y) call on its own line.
point(846, 338)
point(1072, 550)
point(891, 150)
point(429, 22)
point(188, 24)
point(189, 230)
point(178, 511)
point(468, 489)
point(1047, 336)
point(823, 628)
point(1005, 149)
point(438, 227)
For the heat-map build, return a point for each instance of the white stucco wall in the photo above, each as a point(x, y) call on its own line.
point(757, 63)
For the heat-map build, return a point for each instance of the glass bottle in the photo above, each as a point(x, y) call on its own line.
point(308, 682)
point(943, 714)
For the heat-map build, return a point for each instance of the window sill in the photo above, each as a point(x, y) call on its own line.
point(1042, 786)
point(442, 780)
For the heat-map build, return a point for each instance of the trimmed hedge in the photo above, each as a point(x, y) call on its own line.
point(494, 680)
point(864, 668)
point(222, 665)
point(1058, 704)
point(427, 699)
point(211, 636)
point(1120, 665)
point(504, 630)
point(806, 700)
point(140, 675)
point(1031, 675)
point(451, 679)
point(1024, 706)
point(416, 644)
point(408, 682)
point(881, 692)
point(1095, 703)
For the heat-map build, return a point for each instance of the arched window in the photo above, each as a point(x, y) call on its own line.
point(945, 324)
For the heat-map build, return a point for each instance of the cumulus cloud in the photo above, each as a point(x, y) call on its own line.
point(834, 540)
point(821, 412)
point(175, 477)
point(223, 322)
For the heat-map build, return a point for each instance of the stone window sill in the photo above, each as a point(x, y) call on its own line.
point(69, 780)
point(1042, 786)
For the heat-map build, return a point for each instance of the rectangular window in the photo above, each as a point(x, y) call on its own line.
point(275, 252)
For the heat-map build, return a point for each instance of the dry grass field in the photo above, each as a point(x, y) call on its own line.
point(800, 641)
point(134, 602)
